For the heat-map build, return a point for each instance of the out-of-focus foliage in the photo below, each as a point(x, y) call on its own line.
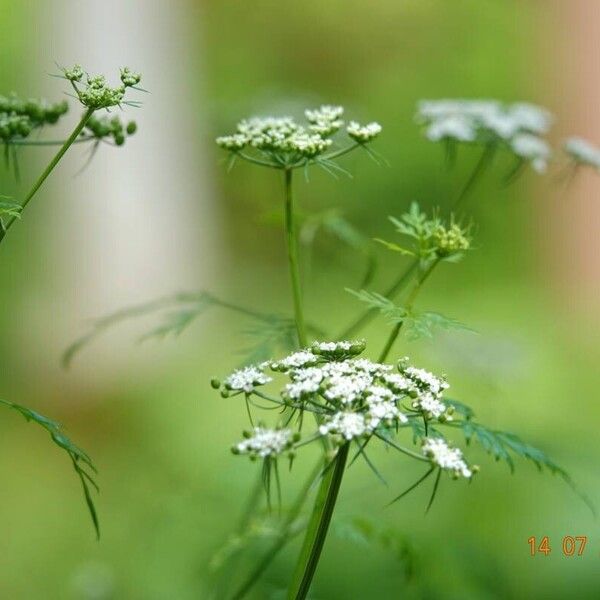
point(170, 489)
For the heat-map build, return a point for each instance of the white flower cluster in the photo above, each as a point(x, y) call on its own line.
point(271, 134)
point(353, 396)
point(287, 142)
point(582, 152)
point(263, 442)
point(425, 389)
point(518, 126)
point(302, 358)
point(533, 149)
point(247, 379)
point(349, 425)
point(336, 350)
point(363, 133)
point(325, 120)
point(446, 457)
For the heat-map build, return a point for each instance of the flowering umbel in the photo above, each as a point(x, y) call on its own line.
point(353, 398)
point(518, 128)
point(283, 142)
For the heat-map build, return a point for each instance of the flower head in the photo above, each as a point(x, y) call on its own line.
point(363, 133)
point(446, 457)
point(582, 152)
point(349, 425)
point(515, 127)
point(94, 92)
point(246, 379)
point(19, 118)
point(287, 143)
point(262, 442)
point(532, 148)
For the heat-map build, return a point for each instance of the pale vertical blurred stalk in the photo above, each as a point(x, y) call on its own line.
point(136, 221)
point(573, 247)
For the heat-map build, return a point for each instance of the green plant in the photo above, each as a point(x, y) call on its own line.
point(349, 403)
point(19, 120)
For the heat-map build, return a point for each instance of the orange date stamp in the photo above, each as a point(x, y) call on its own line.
point(570, 545)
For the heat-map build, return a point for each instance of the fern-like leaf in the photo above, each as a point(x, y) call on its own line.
point(503, 445)
point(177, 313)
point(426, 324)
point(79, 458)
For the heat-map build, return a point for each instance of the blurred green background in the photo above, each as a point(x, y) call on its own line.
point(170, 490)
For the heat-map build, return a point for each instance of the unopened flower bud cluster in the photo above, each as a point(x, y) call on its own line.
point(18, 117)
point(109, 127)
point(287, 142)
point(434, 238)
point(94, 92)
point(449, 240)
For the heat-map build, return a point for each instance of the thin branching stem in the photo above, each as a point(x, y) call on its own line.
point(409, 304)
point(26, 142)
point(482, 164)
point(401, 448)
point(51, 165)
point(283, 536)
point(368, 315)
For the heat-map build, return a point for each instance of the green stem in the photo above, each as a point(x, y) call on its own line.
point(292, 251)
point(409, 303)
point(480, 167)
point(27, 142)
point(283, 537)
point(371, 313)
point(318, 526)
point(61, 152)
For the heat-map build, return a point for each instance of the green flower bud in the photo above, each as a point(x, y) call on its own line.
point(74, 74)
point(215, 383)
point(131, 127)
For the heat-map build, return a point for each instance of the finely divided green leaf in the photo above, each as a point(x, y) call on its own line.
point(79, 458)
point(503, 445)
point(426, 324)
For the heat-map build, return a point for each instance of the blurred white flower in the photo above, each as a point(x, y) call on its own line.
point(582, 152)
point(489, 122)
point(455, 127)
point(533, 149)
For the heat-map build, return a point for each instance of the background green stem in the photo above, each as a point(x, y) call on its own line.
point(480, 167)
point(409, 304)
point(371, 313)
point(61, 152)
point(283, 536)
point(292, 250)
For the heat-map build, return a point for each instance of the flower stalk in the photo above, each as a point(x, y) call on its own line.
point(409, 304)
point(51, 165)
point(318, 526)
point(292, 253)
